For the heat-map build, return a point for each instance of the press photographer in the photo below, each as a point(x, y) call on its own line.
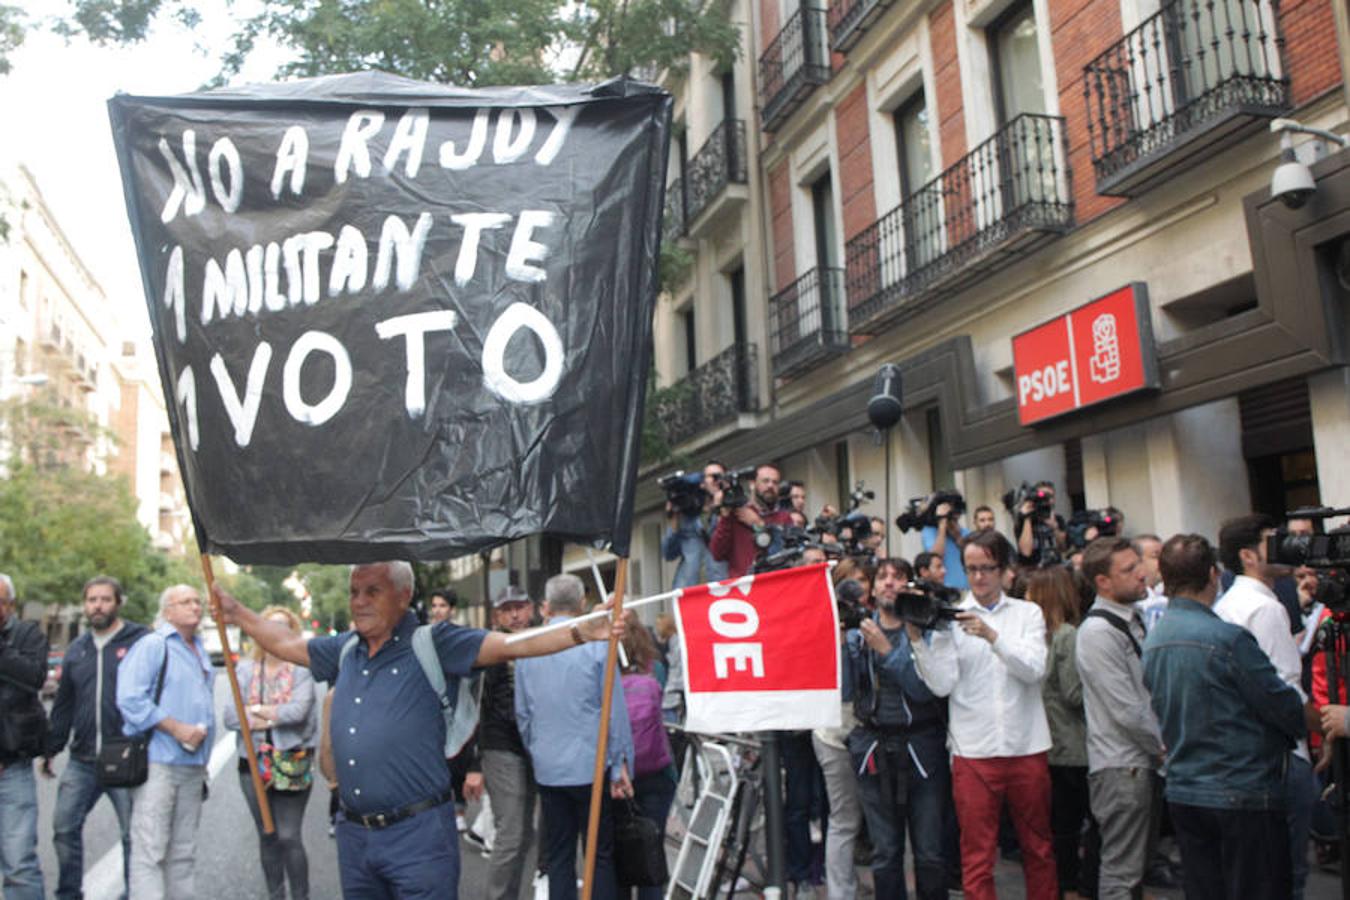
point(743, 518)
point(853, 533)
point(692, 500)
point(940, 517)
point(1041, 535)
point(898, 748)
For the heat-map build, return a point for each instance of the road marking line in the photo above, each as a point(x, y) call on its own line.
point(105, 879)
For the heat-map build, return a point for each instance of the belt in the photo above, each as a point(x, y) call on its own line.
point(385, 819)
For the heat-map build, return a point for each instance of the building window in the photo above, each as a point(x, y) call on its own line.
point(736, 281)
point(921, 212)
point(843, 476)
point(1277, 442)
point(728, 95)
point(827, 252)
point(23, 289)
point(1019, 82)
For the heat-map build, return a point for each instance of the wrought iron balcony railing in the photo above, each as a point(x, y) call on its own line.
point(718, 163)
point(792, 66)
point(713, 394)
point(806, 322)
point(1192, 75)
point(849, 19)
point(995, 205)
point(673, 220)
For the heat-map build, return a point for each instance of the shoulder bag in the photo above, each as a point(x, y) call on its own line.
point(125, 761)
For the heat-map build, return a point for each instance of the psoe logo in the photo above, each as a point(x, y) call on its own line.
point(1105, 363)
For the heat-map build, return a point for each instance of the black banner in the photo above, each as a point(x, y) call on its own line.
point(396, 319)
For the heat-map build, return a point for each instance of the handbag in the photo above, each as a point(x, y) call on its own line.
point(282, 770)
point(639, 849)
point(125, 761)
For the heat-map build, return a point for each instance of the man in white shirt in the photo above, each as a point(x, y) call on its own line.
point(990, 668)
point(1251, 603)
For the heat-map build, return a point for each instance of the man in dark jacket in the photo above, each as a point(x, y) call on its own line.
point(1229, 723)
point(85, 714)
point(899, 748)
point(506, 764)
point(23, 668)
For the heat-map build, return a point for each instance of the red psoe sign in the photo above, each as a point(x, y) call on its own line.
point(1095, 353)
point(761, 652)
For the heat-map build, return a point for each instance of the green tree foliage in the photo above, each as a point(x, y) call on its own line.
point(60, 526)
point(12, 26)
point(461, 42)
point(327, 586)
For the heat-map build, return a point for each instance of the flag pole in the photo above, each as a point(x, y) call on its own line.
point(602, 741)
point(264, 808)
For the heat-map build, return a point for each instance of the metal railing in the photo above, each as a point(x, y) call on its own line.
point(711, 395)
point(718, 163)
point(806, 322)
point(1189, 65)
point(674, 223)
point(1017, 180)
point(793, 65)
point(849, 19)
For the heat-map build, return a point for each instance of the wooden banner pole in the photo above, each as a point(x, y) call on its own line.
point(246, 734)
point(602, 741)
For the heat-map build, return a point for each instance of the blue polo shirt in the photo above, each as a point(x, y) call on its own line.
point(387, 730)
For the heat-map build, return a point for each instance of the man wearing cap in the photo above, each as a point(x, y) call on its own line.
point(506, 764)
point(396, 831)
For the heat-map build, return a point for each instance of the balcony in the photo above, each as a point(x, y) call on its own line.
point(713, 173)
point(849, 19)
point(673, 220)
point(1195, 76)
point(793, 66)
point(806, 323)
point(714, 394)
point(997, 204)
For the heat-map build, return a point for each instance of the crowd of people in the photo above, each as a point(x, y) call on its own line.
point(1088, 694)
point(1075, 703)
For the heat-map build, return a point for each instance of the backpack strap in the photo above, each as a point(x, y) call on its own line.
point(1118, 624)
point(427, 658)
point(347, 647)
point(461, 711)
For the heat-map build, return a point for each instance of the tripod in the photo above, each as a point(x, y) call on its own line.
point(1332, 642)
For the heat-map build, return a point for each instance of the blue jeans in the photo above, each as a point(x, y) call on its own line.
point(1302, 788)
point(76, 795)
point(696, 561)
point(416, 859)
point(652, 795)
point(805, 790)
point(18, 832)
point(899, 794)
point(565, 812)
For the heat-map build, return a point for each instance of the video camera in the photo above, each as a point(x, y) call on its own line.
point(1104, 520)
point(1328, 553)
point(848, 595)
point(1042, 497)
point(922, 511)
point(927, 604)
point(852, 529)
point(791, 542)
point(732, 486)
point(684, 492)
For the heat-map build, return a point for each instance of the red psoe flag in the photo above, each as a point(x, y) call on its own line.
point(761, 652)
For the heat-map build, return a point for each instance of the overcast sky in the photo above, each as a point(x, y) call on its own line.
point(54, 106)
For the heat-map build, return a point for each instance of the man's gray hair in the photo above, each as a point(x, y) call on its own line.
point(166, 596)
point(9, 585)
point(400, 573)
point(564, 594)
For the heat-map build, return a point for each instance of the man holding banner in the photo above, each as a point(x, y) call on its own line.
point(396, 835)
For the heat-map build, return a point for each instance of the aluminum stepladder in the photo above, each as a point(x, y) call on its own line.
point(702, 844)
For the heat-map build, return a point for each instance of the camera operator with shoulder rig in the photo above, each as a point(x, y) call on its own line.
point(898, 748)
point(733, 539)
point(1041, 533)
point(691, 510)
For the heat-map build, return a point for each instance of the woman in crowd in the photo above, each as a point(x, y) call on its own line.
point(280, 702)
point(653, 769)
point(1054, 591)
point(844, 822)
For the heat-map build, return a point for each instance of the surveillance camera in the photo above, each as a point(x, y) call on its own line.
point(1292, 182)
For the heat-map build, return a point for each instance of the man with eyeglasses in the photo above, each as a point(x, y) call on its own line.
point(179, 710)
point(990, 667)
